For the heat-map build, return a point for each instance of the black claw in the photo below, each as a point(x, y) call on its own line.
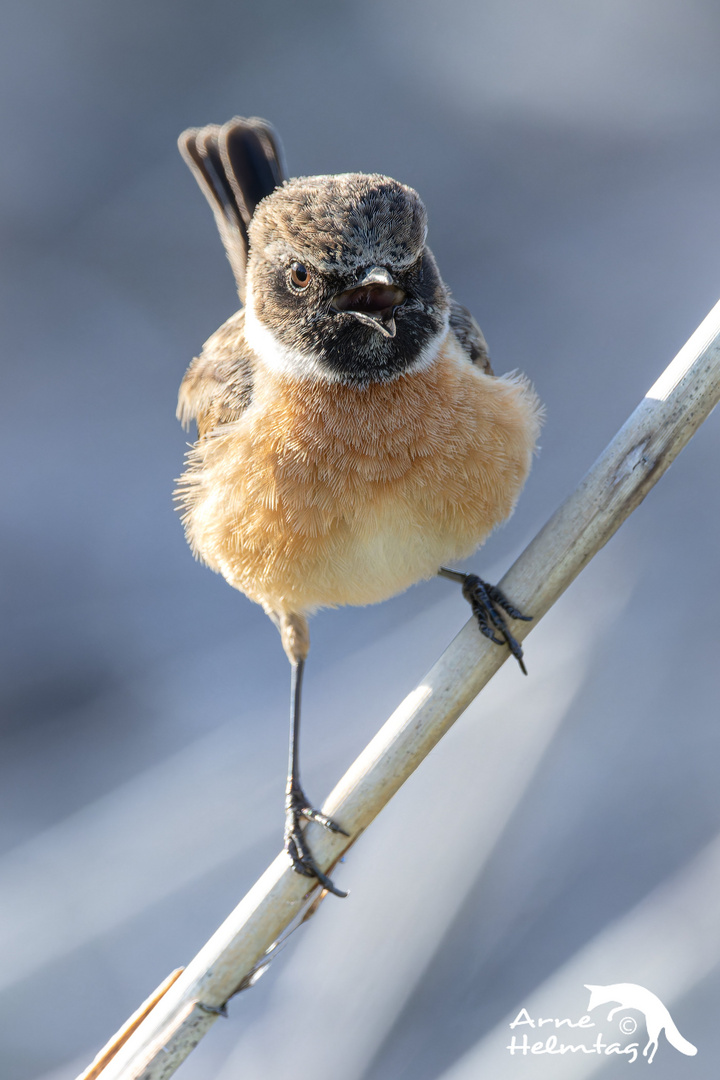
point(327, 883)
point(499, 597)
point(327, 823)
point(487, 602)
point(304, 864)
point(485, 629)
point(297, 807)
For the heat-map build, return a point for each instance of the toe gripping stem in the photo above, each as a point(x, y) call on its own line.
point(297, 807)
point(487, 603)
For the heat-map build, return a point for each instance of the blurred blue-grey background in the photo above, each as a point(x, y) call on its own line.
point(566, 832)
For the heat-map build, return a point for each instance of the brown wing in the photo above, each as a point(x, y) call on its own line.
point(218, 384)
point(470, 336)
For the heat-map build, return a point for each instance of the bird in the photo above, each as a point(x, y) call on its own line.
point(352, 438)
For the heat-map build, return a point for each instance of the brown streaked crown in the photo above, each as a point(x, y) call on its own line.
point(344, 222)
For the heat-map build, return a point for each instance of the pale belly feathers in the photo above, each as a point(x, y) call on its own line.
point(322, 494)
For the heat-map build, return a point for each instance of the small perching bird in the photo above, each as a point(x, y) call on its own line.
point(352, 438)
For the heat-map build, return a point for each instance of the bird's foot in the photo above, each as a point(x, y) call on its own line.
point(488, 603)
point(298, 808)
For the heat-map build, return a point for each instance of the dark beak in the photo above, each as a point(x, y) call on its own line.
point(373, 300)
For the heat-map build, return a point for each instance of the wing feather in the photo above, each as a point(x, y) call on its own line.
point(218, 385)
point(470, 336)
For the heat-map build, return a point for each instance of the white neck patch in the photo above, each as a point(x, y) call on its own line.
point(294, 364)
point(278, 357)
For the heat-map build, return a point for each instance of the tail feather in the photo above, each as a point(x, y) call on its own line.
point(236, 166)
point(253, 161)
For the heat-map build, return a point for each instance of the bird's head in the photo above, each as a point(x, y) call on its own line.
point(341, 285)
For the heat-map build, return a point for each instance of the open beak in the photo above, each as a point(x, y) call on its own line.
point(373, 301)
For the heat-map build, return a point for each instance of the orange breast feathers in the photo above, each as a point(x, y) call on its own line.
point(322, 494)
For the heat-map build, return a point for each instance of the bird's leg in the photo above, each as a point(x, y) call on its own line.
point(297, 806)
point(487, 603)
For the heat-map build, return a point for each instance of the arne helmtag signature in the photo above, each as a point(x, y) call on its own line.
point(629, 996)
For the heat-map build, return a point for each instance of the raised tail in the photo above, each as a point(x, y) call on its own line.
point(236, 166)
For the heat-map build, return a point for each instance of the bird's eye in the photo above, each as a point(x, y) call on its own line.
point(299, 275)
